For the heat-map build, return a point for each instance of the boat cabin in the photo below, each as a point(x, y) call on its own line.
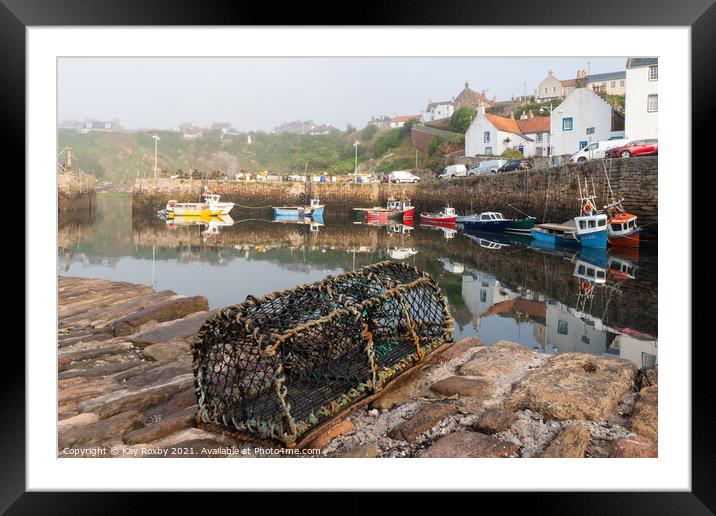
point(398, 204)
point(587, 271)
point(315, 203)
point(490, 215)
point(622, 225)
point(449, 212)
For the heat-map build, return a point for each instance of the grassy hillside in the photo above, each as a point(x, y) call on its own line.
point(120, 156)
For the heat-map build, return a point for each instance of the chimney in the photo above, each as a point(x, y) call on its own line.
point(549, 73)
point(523, 116)
point(512, 115)
point(467, 84)
point(481, 109)
point(531, 115)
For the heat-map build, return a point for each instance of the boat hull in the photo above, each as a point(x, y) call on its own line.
point(426, 218)
point(554, 239)
point(630, 240)
point(594, 239)
point(486, 225)
point(521, 225)
point(297, 211)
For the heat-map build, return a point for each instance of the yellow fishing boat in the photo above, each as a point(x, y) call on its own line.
point(211, 207)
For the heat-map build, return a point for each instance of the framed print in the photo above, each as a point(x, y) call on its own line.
point(432, 239)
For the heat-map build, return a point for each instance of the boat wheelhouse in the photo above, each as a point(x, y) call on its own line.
point(486, 221)
point(622, 230)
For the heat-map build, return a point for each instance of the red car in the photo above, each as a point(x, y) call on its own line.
point(648, 147)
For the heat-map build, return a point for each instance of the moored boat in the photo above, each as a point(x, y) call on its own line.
point(524, 225)
point(313, 209)
point(486, 221)
point(586, 230)
point(395, 208)
point(211, 207)
point(622, 230)
point(447, 216)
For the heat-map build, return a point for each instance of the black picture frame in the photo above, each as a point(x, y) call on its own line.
point(700, 15)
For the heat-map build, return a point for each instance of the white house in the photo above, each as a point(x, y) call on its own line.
point(491, 134)
point(642, 98)
point(438, 110)
point(399, 120)
point(583, 117)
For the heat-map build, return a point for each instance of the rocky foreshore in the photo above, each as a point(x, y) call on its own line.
point(126, 390)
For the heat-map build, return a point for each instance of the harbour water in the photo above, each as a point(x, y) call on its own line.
point(498, 286)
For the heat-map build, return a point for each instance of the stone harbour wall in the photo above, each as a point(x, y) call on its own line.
point(550, 194)
point(76, 193)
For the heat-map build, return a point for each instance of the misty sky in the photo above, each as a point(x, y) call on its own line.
point(261, 93)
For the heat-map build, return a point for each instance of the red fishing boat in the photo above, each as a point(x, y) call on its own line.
point(395, 208)
point(446, 217)
point(622, 229)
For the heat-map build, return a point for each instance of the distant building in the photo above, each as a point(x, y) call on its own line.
point(490, 134)
point(399, 120)
point(612, 83)
point(323, 129)
point(190, 131)
point(642, 98)
point(91, 125)
point(381, 121)
point(471, 98)
point(438, 110)
point(582, 118)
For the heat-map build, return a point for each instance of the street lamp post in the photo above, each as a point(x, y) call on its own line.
point(355, 169)
point(156, 139)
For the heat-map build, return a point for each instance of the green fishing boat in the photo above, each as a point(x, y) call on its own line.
point(521, 225)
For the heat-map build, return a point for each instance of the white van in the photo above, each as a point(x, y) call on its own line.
point(403, 176)
point(453, 171)
point(490, 166)
point(596, 150)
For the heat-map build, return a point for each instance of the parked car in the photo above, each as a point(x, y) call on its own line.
point(596, 150)
point(647, 147)
point(490, 166)
point(515, 164)
point(403, 176)
point(453, 171)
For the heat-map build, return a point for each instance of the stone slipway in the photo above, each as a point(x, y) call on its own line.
point(125, 387)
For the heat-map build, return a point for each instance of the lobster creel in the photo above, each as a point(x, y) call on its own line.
point(274, 367)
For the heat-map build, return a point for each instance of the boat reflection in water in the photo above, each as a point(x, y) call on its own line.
point(449, 229)
point(314, 223)
point(211, 224)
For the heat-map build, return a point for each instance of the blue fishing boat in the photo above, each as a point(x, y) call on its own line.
point(314, 209)
point(586, 230)
point(487, 221)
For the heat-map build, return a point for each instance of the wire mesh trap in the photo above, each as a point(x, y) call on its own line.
point(272, 368)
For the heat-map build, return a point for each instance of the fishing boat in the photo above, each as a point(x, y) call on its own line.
point(523, 225)
point(447, 216)
point(622, 229)
point(449, 230)
point(586, 230)
point(487, 221)
point(486, 241)
point(313, 209)
point(211, 207)
point(395, 208)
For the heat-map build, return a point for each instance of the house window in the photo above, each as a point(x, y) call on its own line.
point(567, 124)
point(483, 296)
point(540, 137)
point(621, 84)
point(590, 130)
point(562, 327)
point(539, 151)
point(545, 90)
point(648, 360)
point(554, 89)
point(487, 136)
point(488, 151)
point(654, 72)
point(585, 339)
point(582, 144)
point(613, 84)
point(652, 103)
point(521, 148)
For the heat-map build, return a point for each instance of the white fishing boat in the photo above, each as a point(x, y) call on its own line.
point(211, 207)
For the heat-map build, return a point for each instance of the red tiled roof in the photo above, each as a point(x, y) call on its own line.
point(503, 124)
point(405, 118)
point(538, 124)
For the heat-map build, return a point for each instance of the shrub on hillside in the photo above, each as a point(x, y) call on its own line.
point(511, 154)
point(433, 146)
point(368, 131)
point(388, 141)
point(462, 118)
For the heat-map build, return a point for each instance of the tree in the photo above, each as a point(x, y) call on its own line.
point(462, 118)
point(511, 154)
point(369, 131)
